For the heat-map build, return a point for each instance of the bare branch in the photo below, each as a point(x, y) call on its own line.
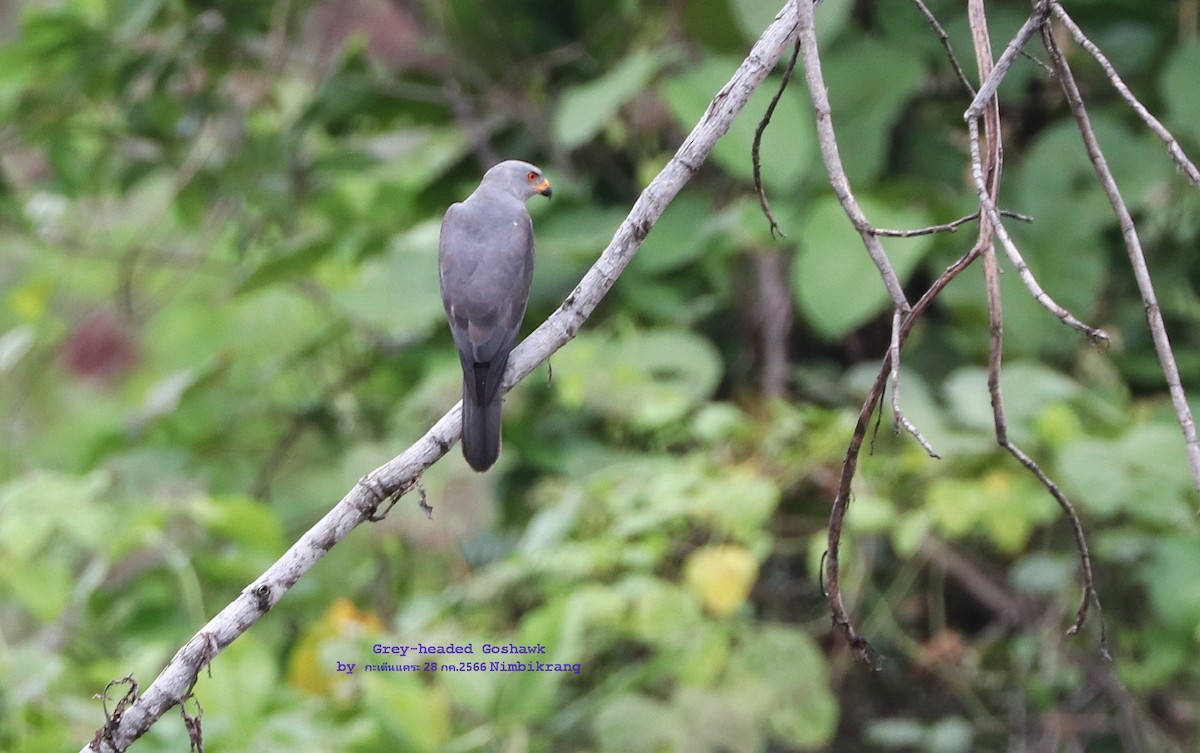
point(827, 138)
point(949, 227)
point(991, 270)
point(402, 474)
point(837, 514)
point(758, 134)
point(991, 82)
point(1173, 148)
point(945, 41)
point(1133, 245)
point(830, 155)
point(1011, 250)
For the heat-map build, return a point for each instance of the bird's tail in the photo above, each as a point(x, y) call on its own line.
point(480, 431)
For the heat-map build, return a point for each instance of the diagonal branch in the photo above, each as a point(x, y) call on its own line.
point(944, 39)
point(991, 272)
point(991, 82)
point(402, 474)
point(1137, 258)
point(806, 33)
point(832, 158)
point(1154, 124)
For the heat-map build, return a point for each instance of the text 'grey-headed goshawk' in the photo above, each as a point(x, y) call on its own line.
point(485, 263)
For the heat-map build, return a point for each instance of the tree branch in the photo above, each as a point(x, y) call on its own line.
point(401, 474)
point(1137, 258)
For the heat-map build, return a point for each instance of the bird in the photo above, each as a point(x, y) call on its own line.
point(485, 268)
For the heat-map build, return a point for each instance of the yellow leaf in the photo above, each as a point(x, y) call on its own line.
point(721, 576)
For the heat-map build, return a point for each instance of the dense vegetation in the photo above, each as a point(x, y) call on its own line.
point(219, 309)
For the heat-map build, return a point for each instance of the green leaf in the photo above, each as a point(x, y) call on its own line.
point(836, 285)
point(635, 723)
point(1005, 506)
point(1030, 391)
point(585, 109)
point(398, 292)
point(1171, 579)
point(1180, 94)
point(753, 16)
point(1142, 474)
point(869, 84)
point(43, 586)
point(686, 231)
point(788, 146)
point(287, 265)
point(649, 378)
point(803, 712)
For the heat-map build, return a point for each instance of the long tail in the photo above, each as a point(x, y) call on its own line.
point(480, 431)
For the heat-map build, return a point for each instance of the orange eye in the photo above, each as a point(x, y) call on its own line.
point(531, 176)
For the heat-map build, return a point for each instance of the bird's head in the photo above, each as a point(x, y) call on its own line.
point(518, 178)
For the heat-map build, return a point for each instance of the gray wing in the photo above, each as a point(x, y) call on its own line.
point(485, 263)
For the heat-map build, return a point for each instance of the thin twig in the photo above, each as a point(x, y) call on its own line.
point(991, 82)
point(991, 271)
point(1133, 244)
point(945, 41)
point(949, 227)
point(402, 474)
point(837, 514)
point(827, 138)
point(831, 157)
point(1013, 253)
point(1155, 125)
point(757, 145)
point(901, 420)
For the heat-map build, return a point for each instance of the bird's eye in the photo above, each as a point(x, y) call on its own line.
point(531, 176)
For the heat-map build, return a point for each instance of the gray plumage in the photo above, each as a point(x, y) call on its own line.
point(485, 264)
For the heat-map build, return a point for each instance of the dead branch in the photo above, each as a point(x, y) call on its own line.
point(944, 39)
point(755, 159)
point(1133, 245)
point(991, 269)
point(837, 514)
point(1154, 124)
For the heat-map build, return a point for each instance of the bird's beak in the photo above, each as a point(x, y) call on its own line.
point(544, 188)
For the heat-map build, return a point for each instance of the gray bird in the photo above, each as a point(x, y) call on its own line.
point(485, 264)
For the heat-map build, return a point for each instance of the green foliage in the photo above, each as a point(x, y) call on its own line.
point(219, 308)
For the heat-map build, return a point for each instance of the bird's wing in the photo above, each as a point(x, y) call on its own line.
point(485, 261)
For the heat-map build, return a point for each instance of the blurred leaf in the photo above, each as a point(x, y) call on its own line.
point(1004, 505)
point(753, 16)
point(417, 716)
point(649, 378)
point(685, 232)
point(1030, 390)
point(788, 144)
point(286, 266)
point(803, 713)
point(14, 345)
point(662, 613)
point(241, 692)
point(1143, 474)
point(721, 576)
point(835, 283)
point(721, 720)
point(1176, 85)
point(869, 84)
point(397, 293)
point(585, 109)
point(1171, 577)
point(43, 586)
point(633, 723)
